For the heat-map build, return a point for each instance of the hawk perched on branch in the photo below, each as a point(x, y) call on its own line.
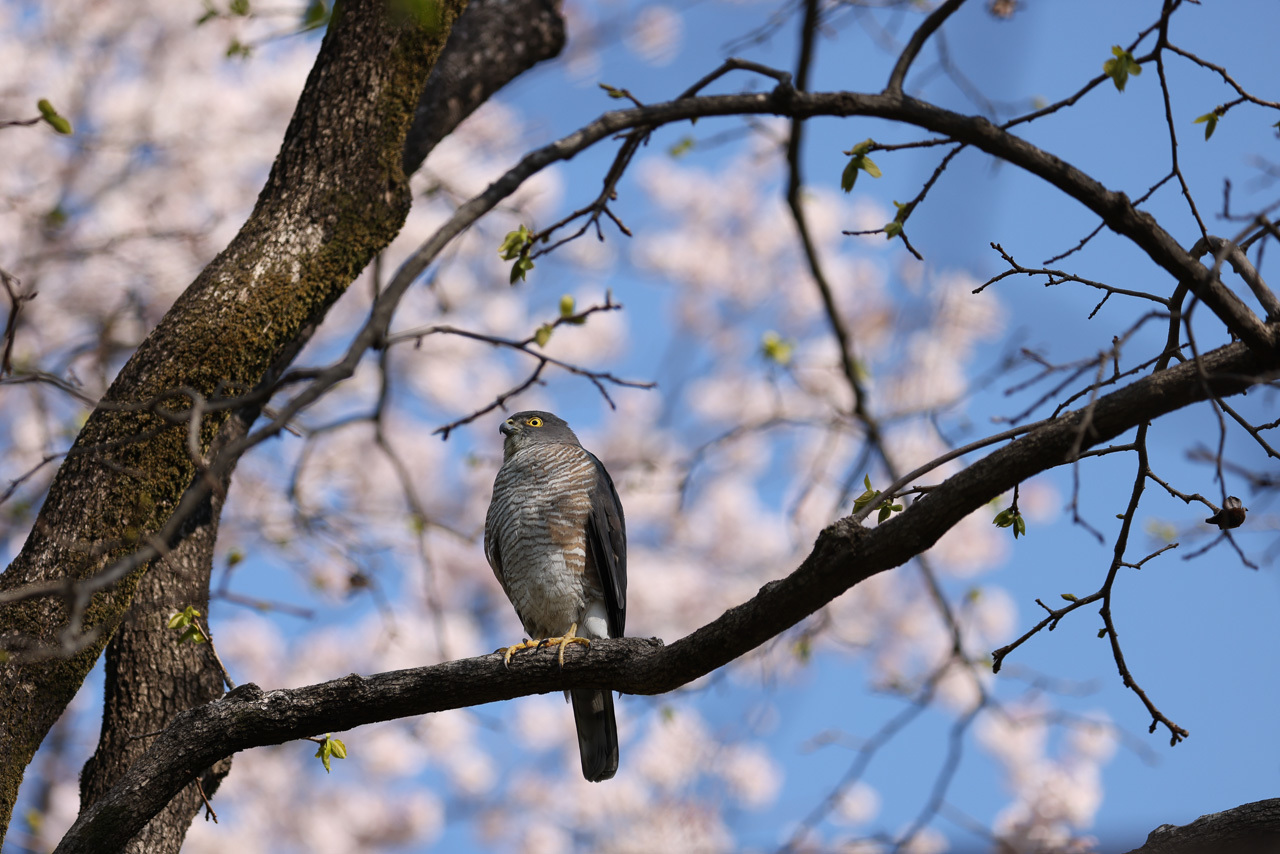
point(557, 541)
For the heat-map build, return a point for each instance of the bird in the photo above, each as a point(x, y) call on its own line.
point(556, 538)
point(1232, 514)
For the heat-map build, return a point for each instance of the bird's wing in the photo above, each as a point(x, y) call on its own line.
point(607, 546)
point(491, 550)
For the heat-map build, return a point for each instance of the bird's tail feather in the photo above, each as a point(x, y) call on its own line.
point(597, 733)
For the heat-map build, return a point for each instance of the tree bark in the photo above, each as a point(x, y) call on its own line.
point(493, 43)
point(336, 195)
point(149, 676)
point(1250, 829)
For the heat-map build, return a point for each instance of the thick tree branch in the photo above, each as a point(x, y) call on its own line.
point(1115, 208)
point(844, 555)
point(493, 42)
point(1254, 828)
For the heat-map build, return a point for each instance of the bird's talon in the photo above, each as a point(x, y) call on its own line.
point(509, 651)
point(565, 641)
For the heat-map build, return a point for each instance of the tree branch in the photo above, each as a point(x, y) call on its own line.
point(493, 43)
point(1115, 208)
point(844, 555)
point(909, 53)
point(1254, 828)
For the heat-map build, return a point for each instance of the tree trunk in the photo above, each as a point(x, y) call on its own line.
point(337, 194)
point(150, 677)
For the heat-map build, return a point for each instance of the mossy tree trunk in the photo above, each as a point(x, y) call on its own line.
point(336, 195)
point(150, 677)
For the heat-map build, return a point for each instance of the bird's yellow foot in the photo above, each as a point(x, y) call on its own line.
point(570, 636)
point(507, 652)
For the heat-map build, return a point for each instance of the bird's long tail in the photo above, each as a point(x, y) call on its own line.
point(597, 732)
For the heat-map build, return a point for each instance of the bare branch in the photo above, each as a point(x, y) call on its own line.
point(16, 301)
point(1222, 72)
point(1226, 250)
point(909, 53)
point(1057, 277)
point(1168, 117)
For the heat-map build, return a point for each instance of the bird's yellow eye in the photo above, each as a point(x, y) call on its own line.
point(535, 421)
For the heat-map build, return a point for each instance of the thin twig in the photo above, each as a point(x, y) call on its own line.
point(208, 807)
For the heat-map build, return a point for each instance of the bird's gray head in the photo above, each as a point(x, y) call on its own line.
point(534, 427)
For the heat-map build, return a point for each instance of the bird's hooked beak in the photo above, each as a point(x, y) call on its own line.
point(508, 428)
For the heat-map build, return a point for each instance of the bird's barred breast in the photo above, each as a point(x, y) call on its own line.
point(543, 498)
